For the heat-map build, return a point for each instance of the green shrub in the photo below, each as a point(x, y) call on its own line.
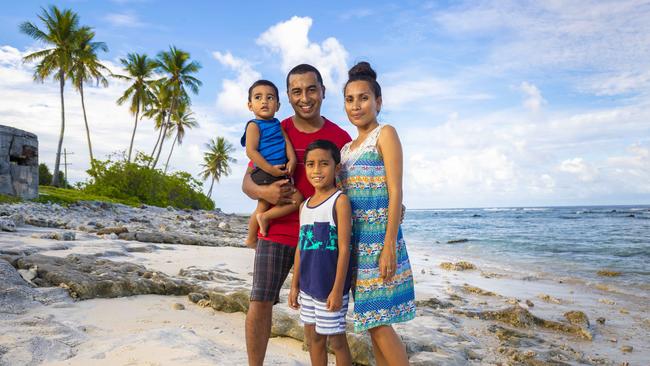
point(44, 175)
point(65, 196)
point(136, 181)
point(8, 199)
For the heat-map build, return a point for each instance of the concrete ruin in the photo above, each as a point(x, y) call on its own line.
point(18, 163)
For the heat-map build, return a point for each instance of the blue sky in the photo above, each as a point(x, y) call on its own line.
point(498, 103)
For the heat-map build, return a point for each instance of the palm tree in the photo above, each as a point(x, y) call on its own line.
point(176, 65)
point(183, 119)
point(140, 69)
point(216, 161)
point(157, 109)
point(61, 34)
point(86, 67)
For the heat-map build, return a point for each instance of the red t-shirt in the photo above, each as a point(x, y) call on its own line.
point(285, 229)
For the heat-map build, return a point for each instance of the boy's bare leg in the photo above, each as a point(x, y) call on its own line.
point(275, 212)
point(251, 239)
point(339, 344)
point(317, 346)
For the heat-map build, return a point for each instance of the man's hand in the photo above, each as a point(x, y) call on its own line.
point(293, 298)
point(277, 193)
point(334, 301)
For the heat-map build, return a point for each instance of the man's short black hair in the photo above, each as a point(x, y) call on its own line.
point(325, 145)
point(303, 69)
point(262, 82)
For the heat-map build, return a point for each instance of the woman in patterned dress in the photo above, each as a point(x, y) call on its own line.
point(371, 176)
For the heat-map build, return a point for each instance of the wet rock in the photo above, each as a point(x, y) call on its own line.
point(113, 230)
point(476, 290)
point(549, 299)
point(577, 318)
point(522, 318)
point(195, 297)
point(608, 273)
point(286, 323)
point(142, 249)
point(87, 277)
point(458, 266)
point(7, 225)
point(433, 303)
point(229, 303)
point(627, 349)
point(530, 303)
point(178, 306)
point(457, 241)
point(56, 235)
point(600, 320)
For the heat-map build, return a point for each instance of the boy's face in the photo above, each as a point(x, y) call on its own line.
point(321, 169)
point(264, 102)
point(306, 95)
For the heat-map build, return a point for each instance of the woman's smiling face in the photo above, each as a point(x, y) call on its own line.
point(361, 105)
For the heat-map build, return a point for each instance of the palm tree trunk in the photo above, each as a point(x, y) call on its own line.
point(210, 190)
point(162, 140)
point(169, 119)
point(157, 142)
point(171, 151)
point(83, 107)
point(137, 111)
point(55, 179)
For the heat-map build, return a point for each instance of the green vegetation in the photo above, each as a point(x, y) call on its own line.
point(64, 196)
point(8, 199)
point(216, 161)
point(137, 182)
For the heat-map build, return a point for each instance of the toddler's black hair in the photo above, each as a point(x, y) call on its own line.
point(325, 145)
point(263, 82)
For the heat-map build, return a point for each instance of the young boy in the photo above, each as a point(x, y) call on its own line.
point(322, 271)
point(270, 151)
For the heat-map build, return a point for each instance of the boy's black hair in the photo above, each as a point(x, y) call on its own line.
point(325, 145)
point(303, 69)
point(263, 82)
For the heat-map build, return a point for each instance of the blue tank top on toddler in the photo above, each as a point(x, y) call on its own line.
point(272, 146)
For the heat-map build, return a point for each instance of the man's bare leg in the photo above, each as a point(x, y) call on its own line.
point(258, 331)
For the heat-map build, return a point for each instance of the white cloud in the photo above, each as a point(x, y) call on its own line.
point(579, 168)
point(290, 39)
point(534, 99)
point(127, 19)
point(232, 98)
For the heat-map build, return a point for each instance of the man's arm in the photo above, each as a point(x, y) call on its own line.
point(275, 193)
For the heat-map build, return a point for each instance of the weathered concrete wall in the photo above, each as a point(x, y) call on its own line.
point(18, 163)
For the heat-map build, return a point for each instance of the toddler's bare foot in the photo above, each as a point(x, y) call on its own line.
point(263, 222)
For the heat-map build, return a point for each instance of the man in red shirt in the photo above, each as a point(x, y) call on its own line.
point(275, 252)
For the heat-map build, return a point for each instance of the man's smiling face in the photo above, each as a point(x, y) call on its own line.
point(306, 95)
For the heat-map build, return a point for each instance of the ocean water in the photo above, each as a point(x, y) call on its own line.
point(560, 242)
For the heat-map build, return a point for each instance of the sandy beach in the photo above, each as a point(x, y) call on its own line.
point(470, 311)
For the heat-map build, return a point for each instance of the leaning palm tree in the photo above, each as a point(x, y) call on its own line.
point(140, 69)
point(176, 65)
point(157, 110)
point(182, 121)
point(216, 161)
point(85, 68)
point(61, 35)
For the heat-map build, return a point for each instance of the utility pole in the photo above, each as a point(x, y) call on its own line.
point(65, 164)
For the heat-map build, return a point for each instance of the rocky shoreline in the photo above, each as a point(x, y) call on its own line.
point(54, 258)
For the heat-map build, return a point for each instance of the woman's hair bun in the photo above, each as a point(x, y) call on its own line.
point(362, 69)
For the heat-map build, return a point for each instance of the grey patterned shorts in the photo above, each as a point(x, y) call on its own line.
point(273, 262)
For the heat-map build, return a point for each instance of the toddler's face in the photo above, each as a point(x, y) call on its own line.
point(320, 168)
point(264, 102)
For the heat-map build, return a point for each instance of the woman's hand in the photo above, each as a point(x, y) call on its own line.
point(387, 262)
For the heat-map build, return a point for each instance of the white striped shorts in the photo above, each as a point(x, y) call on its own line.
point(327, 322)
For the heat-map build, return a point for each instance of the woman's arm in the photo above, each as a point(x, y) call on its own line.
point(391, 151)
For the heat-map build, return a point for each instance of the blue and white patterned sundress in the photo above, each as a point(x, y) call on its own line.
point(363, 179)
